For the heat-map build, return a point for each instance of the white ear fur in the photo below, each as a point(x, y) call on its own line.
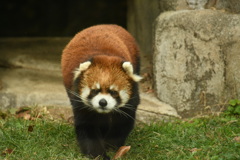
point(127, 66)
point(82, 67)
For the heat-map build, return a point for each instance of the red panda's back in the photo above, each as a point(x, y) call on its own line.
point(101, 39)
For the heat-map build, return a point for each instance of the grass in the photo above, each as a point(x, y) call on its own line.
point(211, 138)
point(205, 139)
point(47, 140)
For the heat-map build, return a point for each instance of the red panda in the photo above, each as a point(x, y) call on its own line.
point(100, 68)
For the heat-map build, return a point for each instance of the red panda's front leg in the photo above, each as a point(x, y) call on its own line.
point(119, 131)
point(91, 144)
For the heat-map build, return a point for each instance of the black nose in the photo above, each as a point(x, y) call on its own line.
point(103, 102)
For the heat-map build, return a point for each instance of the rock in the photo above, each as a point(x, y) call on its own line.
point(142, 13)
point(7, 100)
point(197, 4)
point(232, 6)
point(151, 109)
point(195, 59)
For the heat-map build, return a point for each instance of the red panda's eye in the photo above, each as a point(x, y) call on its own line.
point(113, 93)
point(94, 92)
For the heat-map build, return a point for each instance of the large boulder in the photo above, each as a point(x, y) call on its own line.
point(196, 59)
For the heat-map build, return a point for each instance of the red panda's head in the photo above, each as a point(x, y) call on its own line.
point(105, 83)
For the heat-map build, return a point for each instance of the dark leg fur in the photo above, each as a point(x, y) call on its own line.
point(89, 134)
point(119, 131)
point(90, 142)
point(96, 132)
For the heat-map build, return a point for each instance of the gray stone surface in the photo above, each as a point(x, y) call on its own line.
point(34, 53)
point(232, 6)
point(30, 72)
point(142, 14)
point(195, 59)
point(30, 75)
point(29, 87)
point(196, 4)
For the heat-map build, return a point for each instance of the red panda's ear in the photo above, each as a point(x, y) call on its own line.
point(82, 67)
point(127, 66)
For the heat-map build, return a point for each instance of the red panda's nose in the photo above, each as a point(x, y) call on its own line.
point(103, 103)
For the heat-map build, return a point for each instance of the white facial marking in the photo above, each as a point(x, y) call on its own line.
point(127, 66)
point(82, 67)
point(113, 87)
point(124, 97)
point(110, 103)
point(97, 85)
point(85, 93)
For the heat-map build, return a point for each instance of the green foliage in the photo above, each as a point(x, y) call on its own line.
point(233, 107)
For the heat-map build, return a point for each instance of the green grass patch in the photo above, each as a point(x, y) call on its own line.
point(212, 138)
point(38, 139)
point(204, 139)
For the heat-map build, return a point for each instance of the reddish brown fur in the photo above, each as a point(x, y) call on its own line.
point(110, 74)
point(101, 39)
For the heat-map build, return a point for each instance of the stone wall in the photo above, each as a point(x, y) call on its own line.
point(195, 46)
